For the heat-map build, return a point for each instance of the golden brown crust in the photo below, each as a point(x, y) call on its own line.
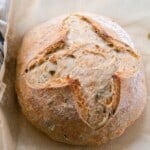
point(59, 106)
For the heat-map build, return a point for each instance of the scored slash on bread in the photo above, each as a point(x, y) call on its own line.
point(73, 70)
point(102, 110)
point(59, 43)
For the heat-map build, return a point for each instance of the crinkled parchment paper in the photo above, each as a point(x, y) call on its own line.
point(18, 134)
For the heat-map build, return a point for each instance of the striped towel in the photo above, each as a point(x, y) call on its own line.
point(4, 4)
point(1, 48)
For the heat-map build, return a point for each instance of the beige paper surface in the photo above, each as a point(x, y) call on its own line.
point(15, 132)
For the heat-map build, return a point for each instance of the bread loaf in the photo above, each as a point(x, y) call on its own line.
point(79, 79)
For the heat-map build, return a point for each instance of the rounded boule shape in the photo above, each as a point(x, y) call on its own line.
point(79, 79)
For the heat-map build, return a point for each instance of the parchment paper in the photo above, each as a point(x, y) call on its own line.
point(16, 133)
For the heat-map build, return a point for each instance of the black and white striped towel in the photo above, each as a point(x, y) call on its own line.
point(1, 48)
point(4, 4)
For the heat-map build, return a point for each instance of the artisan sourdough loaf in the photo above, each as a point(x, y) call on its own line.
point(79, 79)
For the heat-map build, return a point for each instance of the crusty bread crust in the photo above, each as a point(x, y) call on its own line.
point(58, 104)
